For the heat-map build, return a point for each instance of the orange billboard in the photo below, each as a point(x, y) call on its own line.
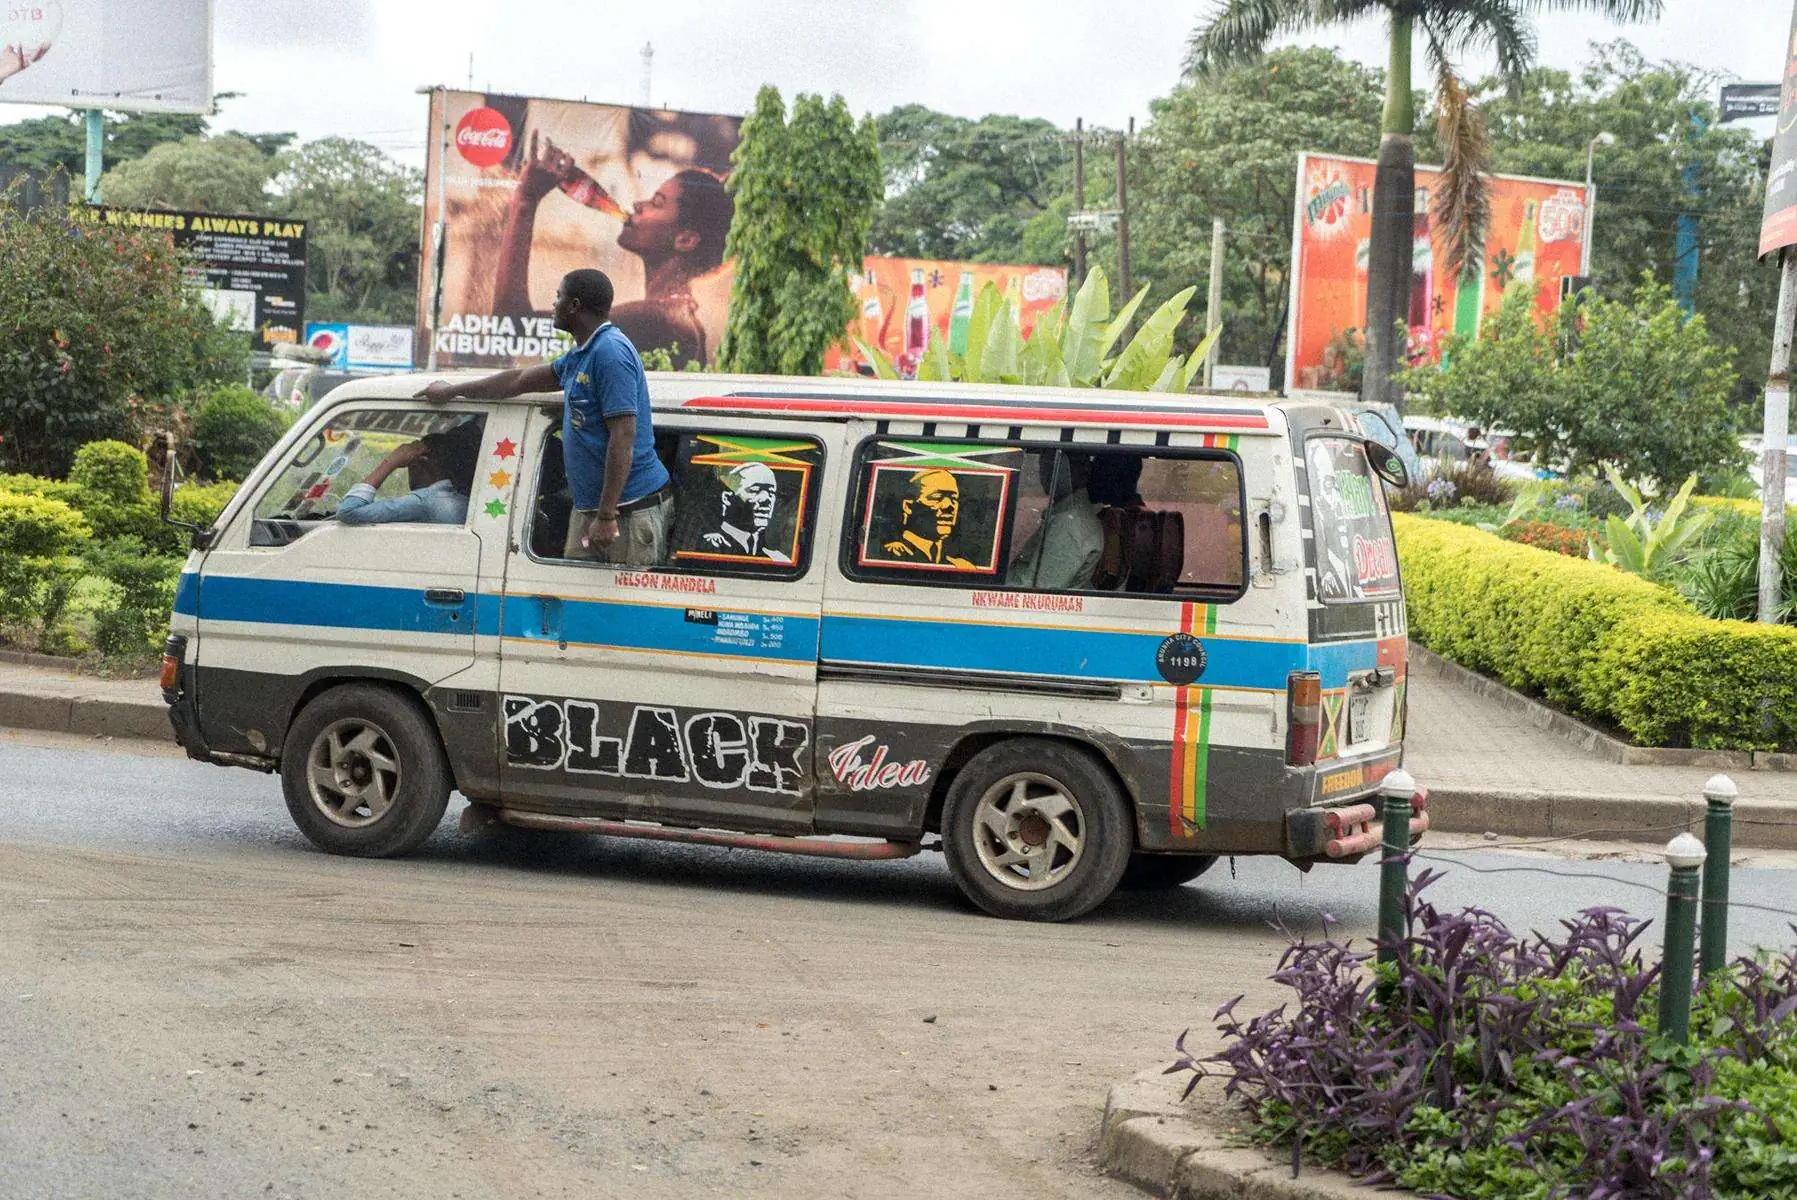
point(1536, 234)
point(907, 303)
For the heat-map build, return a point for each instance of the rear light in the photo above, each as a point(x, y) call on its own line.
point(173, 652)
point(1304, 717)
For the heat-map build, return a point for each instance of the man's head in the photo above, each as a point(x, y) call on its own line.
point(749, 494)
point(451, 454)
point(687, 217)
point(582, 302)
point(933, 506)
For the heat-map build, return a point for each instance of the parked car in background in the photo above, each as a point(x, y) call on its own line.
point(1446, 442)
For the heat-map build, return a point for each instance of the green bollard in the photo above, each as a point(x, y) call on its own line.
point(1718, 824)
point(1685, 855)
point(1399, 790)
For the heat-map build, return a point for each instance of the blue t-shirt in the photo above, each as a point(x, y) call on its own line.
point(604, 378)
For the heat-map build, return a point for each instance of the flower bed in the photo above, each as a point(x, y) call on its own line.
point(1497, 1066)
point(1597, 641)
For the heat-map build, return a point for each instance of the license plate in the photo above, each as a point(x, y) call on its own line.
point(1357, 717)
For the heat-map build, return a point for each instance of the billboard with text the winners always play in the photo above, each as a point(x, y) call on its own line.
point(536, 188)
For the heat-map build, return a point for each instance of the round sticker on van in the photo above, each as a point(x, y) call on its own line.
point(1180, 660)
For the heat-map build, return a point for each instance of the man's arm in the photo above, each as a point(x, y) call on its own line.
point(511, 282)
point(360, 507)
point(502, 385)
point(620, 448)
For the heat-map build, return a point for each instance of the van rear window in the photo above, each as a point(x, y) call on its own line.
point(1356, 558)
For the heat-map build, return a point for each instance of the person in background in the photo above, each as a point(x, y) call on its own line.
point(622, 493)
point(1063, 551)
point(440, 468)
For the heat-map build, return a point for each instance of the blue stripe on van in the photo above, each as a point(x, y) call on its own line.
point(1081, 653)
point(660, 627)
point(187, 594)
point(324, 605)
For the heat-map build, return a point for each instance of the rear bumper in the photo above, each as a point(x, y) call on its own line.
point(1346, 832)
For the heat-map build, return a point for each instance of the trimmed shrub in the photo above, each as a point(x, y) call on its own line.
point(112, 482)
point(36, 533)
point(134, 614)
point(201, 502)
point(1598, 641)
point(233, 429)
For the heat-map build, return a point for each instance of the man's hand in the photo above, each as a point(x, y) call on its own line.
point(601, 533)
point(404, 456)
point(442, 389)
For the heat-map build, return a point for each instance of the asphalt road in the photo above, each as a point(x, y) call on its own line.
point(194, 1003)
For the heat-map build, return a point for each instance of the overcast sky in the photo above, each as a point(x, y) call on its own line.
point(351, 67)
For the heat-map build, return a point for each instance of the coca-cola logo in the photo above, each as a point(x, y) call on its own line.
point(483, 136)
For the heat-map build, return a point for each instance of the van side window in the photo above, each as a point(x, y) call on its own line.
point(321, 480)
point(744, 504)
point(1048, 519)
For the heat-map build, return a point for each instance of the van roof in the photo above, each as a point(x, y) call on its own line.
point(842, 399)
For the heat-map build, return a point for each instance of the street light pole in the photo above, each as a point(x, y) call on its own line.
point(1602, 139)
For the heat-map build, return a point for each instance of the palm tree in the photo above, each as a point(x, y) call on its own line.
point(1239, 30)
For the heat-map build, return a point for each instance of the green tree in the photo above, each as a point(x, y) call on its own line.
point(1226, 145)
point(362, 215)
point(1663, 117)
point(45, 144)
point(805, 195)
point(1241, 29)
point(993, 190)
point(100, 324)
point(1629, 383)
point(227, 174)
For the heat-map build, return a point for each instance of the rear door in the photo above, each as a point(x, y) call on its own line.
point(683, 692)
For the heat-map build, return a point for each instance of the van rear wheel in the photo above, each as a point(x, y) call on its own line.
point(1158, 872)
point(1036, 830)
point(363, 773)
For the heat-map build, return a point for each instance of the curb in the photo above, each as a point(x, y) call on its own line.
point(1593, 741)
point(1758, 824)
point(1149, 1138)
point(90, 716)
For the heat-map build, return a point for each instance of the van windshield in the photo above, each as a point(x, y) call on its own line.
point(1356, 558)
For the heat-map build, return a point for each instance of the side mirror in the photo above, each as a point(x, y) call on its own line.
point(1387, 465)
point(198, 538)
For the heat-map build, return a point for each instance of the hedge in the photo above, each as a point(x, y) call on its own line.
point(1598, 641)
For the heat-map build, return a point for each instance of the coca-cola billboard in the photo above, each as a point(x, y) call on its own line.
point(532, 189)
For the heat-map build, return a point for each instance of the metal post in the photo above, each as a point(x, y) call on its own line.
point(1604, 138)
point(1684, 239)
point(1719, 794)
point(1213, 300)
point(96, 153)
point(1685, 855)
point(1399, 790)
point(439, 97)
point(1079, 200)
point(1123, 217)
point(1775, 430)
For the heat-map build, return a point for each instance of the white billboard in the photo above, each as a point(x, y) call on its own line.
point(135, 55)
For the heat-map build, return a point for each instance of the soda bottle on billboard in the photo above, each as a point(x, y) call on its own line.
point(962, 315)
point(917, 324)
point(1525, 244)
point(582, 188)
point(1469, 296)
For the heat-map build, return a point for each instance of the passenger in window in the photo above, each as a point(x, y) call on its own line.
point(747, 498)
point(623, 496)
point(1114, 480)
point(927, 516)
point(440, 467)
point(1062, 553)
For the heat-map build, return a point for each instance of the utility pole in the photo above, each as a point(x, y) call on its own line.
point(96, 153)
point(1776, 431)
point(1079, 200)
point(1213, 301)
point(1123, 214)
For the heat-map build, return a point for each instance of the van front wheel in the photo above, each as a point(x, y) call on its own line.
point(1037, 830)
point(363, 773)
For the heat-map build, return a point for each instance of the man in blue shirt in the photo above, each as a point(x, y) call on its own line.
point(440, 468)
point(621, 491)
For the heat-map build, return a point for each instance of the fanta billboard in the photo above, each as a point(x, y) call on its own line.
point(907, 303)
point(1535, 235)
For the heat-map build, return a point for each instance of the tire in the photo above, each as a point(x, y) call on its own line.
point(364, 773)
point(1036, 830)
point(1158, 872)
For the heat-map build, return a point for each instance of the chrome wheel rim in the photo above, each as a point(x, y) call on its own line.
point(1029, 832)
point(352, 773)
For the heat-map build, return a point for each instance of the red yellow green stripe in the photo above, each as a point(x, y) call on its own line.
point(1191, 736)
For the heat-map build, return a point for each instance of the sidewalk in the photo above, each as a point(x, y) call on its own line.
point(1487, 767)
